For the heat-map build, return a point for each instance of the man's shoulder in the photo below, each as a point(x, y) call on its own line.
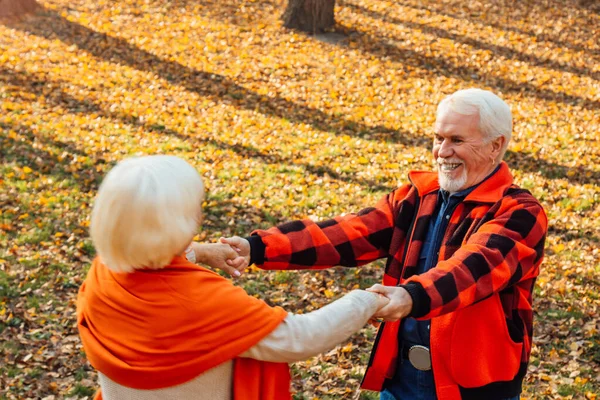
point(520, 194)
point(518, 198)
point(405, 190)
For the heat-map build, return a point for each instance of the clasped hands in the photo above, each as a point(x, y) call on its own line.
point(232, 255)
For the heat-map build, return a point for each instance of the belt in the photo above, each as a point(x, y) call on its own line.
point(419, 356)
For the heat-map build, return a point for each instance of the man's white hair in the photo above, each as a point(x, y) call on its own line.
point(495, 118)
point(147, 211)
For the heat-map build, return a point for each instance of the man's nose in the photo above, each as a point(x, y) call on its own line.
point(445, 149)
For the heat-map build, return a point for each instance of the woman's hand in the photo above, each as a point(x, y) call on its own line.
point(221, 256)
point(382, 301)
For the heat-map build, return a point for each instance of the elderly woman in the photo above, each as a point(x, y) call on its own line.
point(157, 326)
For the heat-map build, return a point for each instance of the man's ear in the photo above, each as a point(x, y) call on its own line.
point(497, 145)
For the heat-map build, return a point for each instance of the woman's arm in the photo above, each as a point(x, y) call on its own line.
point(302, 336)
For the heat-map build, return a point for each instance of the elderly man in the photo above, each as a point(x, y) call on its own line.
point(463, 247)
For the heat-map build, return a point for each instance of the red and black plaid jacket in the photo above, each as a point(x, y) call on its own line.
point(478, 296)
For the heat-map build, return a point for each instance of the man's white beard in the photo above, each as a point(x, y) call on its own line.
point(449, 184)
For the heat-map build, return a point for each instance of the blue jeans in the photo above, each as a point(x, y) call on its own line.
point(413, 384)
point(409, 383)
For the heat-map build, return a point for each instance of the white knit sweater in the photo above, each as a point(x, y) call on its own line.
point(297, 338)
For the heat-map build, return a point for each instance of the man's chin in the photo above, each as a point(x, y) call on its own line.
point(450, 184)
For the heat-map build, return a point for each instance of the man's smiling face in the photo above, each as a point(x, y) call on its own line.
point(463, 155)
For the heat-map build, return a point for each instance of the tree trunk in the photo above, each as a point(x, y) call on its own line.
point(312, 16)
point(16, 9)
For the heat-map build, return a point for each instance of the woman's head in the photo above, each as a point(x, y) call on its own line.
point(147, 211)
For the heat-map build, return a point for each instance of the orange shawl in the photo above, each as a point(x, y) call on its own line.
point(153, 329)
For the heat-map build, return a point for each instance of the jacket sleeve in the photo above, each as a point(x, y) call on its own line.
point(350, 240)
point(505, 250)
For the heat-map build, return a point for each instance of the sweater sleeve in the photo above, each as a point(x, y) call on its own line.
point(302, 336)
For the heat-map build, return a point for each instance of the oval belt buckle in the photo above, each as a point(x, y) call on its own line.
point(419, 357)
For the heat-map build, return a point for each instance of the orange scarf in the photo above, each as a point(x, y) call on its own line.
point(154, 329)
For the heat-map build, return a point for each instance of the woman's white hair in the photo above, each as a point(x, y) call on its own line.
point(495, 118)
point(147, 211)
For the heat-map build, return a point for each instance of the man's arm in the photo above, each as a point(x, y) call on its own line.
point(350, 240)
point(504, 251)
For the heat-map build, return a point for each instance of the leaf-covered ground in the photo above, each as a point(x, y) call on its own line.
point(284, 125)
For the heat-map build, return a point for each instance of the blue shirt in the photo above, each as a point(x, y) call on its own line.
point(411, 330)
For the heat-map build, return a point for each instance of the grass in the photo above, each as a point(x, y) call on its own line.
point(82, 391)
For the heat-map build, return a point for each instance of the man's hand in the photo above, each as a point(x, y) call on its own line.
point(221, 256)
point(400, 303)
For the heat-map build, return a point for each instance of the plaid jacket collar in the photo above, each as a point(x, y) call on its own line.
point(489, 191)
